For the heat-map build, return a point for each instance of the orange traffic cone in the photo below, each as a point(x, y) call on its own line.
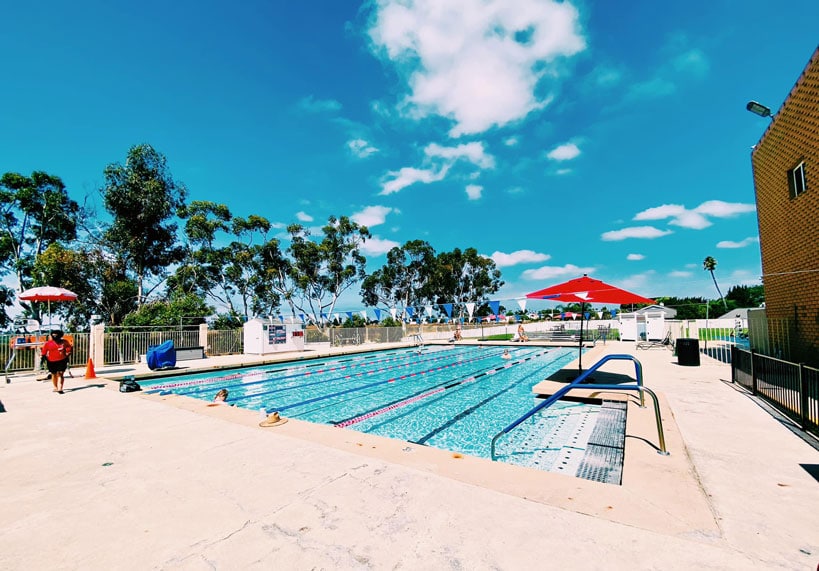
point(89, 370)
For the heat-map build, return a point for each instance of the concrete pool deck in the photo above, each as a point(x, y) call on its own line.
point(98, 479)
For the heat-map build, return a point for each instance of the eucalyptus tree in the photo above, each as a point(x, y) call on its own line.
point(35, 212)
point(710, 264)
point(405, 280)
point(465, 276)
point(227, 259)
point(323, 268)
point(142, 197)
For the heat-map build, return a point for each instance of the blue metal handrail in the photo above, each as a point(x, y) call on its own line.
point(638, 371)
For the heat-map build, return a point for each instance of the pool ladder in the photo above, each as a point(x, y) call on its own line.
point(418, 340)
point(577, 383)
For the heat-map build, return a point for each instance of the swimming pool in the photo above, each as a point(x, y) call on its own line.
point(450, 397)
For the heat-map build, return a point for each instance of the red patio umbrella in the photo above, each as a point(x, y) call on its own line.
point(585, 290)
point(48, 294)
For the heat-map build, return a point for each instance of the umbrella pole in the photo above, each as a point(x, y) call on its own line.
point(580, 347)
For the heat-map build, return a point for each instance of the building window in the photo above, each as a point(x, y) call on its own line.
point(796, 180)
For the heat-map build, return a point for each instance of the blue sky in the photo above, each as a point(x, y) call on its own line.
point(557, 138)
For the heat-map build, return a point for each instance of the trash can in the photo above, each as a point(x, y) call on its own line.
point(688, 352)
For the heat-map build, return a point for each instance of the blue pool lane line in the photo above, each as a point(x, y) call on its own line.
point(257, 371)
point(467, 411)
point(404, 358)
point(362, 387)
point(348, 402)
point(427, 392)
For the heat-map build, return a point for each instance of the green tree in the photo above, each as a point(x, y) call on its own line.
point(746, 296)
point(35, 212)
point(236, 273)
point(320, 271)
point(465, 276)
point(142, 197)
point(405, 280)
point(98, 279)
point(710, 264)
point(179, 308)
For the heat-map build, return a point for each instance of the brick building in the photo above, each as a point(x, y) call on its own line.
point(786, 181)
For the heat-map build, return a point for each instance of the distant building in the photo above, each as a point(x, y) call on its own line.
point(668, 312)
point(738, 313)
point(786, 180)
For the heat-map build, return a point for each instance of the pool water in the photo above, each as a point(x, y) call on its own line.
point(451, 397)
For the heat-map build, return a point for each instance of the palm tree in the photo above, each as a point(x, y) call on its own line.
point(710, 264)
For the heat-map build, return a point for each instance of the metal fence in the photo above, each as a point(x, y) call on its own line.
point(225, 342)
point(792, 388)
point(716, 337)
point(127, 346)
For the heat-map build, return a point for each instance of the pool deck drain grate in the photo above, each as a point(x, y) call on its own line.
point(603, 460)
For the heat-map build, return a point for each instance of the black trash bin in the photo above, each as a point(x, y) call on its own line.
point(688, 352)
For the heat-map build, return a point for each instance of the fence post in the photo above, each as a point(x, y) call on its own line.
point(803, 398)
point(733, 365)
point(203, 336)
point(753, 373)
point(98, 335)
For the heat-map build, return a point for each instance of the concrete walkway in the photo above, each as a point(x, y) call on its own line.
point(95, 479)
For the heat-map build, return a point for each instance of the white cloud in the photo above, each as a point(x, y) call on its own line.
point(361, 148)
point(408, 176)
point(314, 105)
point(693, 62)
point(646, 232)
point(473, 152)
point(660, 212)
point(639, 283)
point(562, 172)
point(511, 141)
point(603, 76)
point(740, 244)
point(550, 272)
point(695, 219)
point(376, 246)
point(720, 209)
point(564, 152)
point(437, 162)
point(304, 217)
point(656, 87)
point(679, 274)
point(635, 257)
point(371, 216)
point(503, 260)
point(476, 62)
point(473, 191)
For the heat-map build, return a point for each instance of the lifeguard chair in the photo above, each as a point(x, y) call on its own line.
point(28, 336)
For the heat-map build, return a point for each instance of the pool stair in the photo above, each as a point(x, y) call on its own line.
point(588, 444)
point(600, 451)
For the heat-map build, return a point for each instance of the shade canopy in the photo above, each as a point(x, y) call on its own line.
point(48, 293)
point(585, 290)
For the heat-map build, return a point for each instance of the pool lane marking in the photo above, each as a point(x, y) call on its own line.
point(452, 382)
point(334, 379)
point(411, 400)
point(469, 410)
point(401, 358)
point(366, 386)
point(258, 372)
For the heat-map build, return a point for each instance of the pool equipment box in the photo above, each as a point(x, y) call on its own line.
point(262, 336)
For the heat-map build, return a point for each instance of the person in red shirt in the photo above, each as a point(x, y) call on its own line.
point(56, 352)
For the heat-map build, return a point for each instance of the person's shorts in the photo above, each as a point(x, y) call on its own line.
point(57, 366)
